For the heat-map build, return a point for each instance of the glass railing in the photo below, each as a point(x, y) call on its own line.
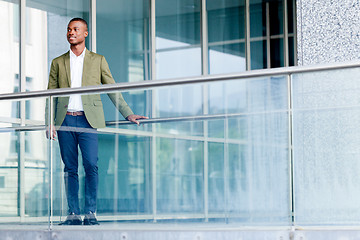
point(265, 148)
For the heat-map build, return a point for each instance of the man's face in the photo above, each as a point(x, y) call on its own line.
point(76, 32)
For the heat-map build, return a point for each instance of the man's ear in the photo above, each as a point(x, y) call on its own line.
point(86, 33)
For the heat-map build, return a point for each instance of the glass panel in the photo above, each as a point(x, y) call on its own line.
point(123, 38)
point(257, 19)
point(258, 55)
point(178, 38)
point(291, 15)
point(178, 63)
point(258, 172)
point(156, 170)
point(277, 52)
point(226, 35)
point(227, 58)
point(248, 95)
point(179, 101)
point(46, 28)
point(36, 175)
point(216, 177)
point(292, 55)
point(226, 20)
point(9, 46)
point(179, 167)
point(326, 147)
point(9, 173)
point(24, 165)
point(276, 10)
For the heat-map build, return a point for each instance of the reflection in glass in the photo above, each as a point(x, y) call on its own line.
point(179, 176)
point(46, 39)
point(123, 175)
point(226, 20)
point(217, 178)
point(227, 58)
point(258, 19)
point(9, 46)
point(258, 55)
point(36, 174)
point(123, 38)
point(226, 35)
point(178, 52)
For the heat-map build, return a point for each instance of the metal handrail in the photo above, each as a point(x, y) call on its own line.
point(150, 121)
point(170, 82)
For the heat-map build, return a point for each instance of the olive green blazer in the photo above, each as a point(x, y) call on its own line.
point(95, 72)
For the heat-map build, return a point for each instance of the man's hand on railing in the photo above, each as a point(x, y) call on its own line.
point(133, 118)
point(51, 132)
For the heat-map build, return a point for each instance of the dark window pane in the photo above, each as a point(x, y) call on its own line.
point(276, 17)
point(277, 53)
point(292, 51)
point(258, 20)
point(291, 15)
point(258, 55)
point(226, 21)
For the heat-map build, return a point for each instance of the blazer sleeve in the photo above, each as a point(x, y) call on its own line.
point(52, 84)
point(116, 98)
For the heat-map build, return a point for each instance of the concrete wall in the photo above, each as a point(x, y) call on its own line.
point(328, 31)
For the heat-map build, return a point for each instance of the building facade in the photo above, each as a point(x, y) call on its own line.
point(242, 165)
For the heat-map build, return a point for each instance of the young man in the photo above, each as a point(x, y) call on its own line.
point(80, 116)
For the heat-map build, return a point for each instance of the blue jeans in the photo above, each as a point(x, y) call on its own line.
point(76, 131)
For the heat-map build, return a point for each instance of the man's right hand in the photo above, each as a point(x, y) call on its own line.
point(51, 132)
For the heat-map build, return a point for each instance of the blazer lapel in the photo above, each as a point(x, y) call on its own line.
point(87, 60)
point(67, 67)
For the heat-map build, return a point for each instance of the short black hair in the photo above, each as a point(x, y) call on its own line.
point(77, 19)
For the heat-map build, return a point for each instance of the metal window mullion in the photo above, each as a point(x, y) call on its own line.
point(226, 170)
point(247, 35)
point(268, 38)
point(93, 24)
point(22, 87)
point(153, 112)
point(153, 39)
point(51, 153)
point(290, 146)
point(205, 72)
point(204, 39)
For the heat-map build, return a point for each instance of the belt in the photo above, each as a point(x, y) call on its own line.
point(80, 113)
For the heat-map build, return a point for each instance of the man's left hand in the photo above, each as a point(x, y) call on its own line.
point(133, 118)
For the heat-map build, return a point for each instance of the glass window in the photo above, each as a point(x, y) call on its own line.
point(277, 52)
point(178, 52)
point(216, 176)
point(258, 55)
point(9, 44)
point(179, 176)
point(258, 17)
point(226, 35)
point(267, 33)
point(122, 36)
point(276, 13)
point(47, 32)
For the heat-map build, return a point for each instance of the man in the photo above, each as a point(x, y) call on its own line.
point(80, 116)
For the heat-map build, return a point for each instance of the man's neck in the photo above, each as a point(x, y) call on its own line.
point(77, 49)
